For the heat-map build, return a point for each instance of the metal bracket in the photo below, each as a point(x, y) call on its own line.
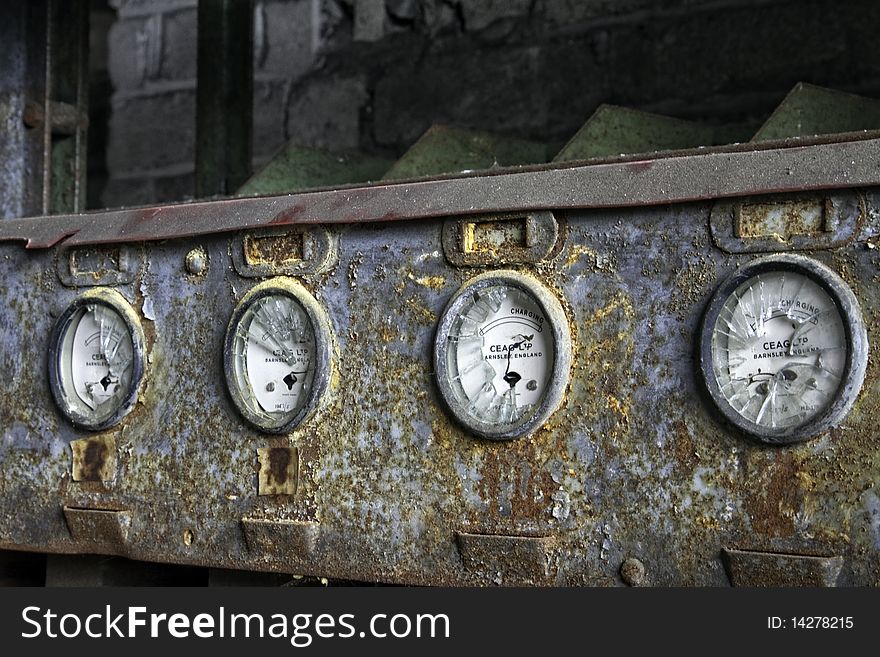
point(86, 266)
point(526, 557)
point(786, 223)
point(293, 538)
point(502, 239)
point(99, 530)
point(295, 251)
point(746, 568)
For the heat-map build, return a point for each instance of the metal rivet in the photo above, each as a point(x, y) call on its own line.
point(633, 572)
point(196, 262)
point(187, 537)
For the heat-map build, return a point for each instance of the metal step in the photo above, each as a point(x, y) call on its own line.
point(444, 149)
point(295, 168)
point(613, 130)
point(810, 110)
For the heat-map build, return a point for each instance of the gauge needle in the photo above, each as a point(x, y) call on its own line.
point(771, 397)
point(512, 378)
point(290, 379)
point(801, 331)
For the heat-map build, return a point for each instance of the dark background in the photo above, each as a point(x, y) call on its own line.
point(373, 75)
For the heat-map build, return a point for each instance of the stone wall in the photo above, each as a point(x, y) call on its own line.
point(374, 74)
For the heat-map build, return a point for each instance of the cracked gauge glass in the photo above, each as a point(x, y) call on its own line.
point(277, 355)
point(787, 348)
point(96, 359)
point(502, 355)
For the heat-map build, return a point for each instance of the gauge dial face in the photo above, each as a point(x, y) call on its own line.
point(95, 363)
point(787, 348)
point(273, 357)
point(779, 349)
point(499, 357)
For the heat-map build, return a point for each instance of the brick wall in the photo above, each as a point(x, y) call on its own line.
point(374, 74)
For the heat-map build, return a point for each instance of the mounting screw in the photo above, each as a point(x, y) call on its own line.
point(197, 262)
point(633, 572)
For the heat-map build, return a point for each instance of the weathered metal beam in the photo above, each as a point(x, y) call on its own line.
point(675, 177)
point(224, 101)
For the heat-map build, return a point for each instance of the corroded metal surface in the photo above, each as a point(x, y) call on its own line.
point(633, 465)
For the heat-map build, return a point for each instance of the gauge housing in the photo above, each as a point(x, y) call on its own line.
point(237, 375)
point(61, 351)
point(854, 331)
point(560, 362)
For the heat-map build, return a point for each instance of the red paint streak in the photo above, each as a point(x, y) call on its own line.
point(289, 216)
point(640, 167)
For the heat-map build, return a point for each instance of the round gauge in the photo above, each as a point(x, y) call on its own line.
point(784, 348)
point(96, 359)
point(502, 355)
point(277, 356)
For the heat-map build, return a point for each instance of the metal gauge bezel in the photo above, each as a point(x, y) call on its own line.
point(117, 303)
point(320, 324)
point(854, 331)
point(559, 374)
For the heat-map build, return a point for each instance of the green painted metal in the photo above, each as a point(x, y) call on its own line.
point(811, 110)
point(613, 131)
point(296, 168)
point(443, 149)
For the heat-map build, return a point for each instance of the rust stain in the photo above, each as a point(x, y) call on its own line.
point(432, 282)
point(619, 302)
point(279, 468)
point(94, 459)
point(686, 457)
point(599, 262)
point(290, 215)
point(494, 237)
point(774, 498)
point(279, 460)
point(620, 409)
point(639, 167)
point(275, 250)
point(781, 220)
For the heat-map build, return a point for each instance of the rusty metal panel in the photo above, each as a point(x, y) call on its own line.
point(841, 162)
point(380, 484)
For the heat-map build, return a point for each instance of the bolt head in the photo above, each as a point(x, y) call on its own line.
point(196, 262)
point(633, 572)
